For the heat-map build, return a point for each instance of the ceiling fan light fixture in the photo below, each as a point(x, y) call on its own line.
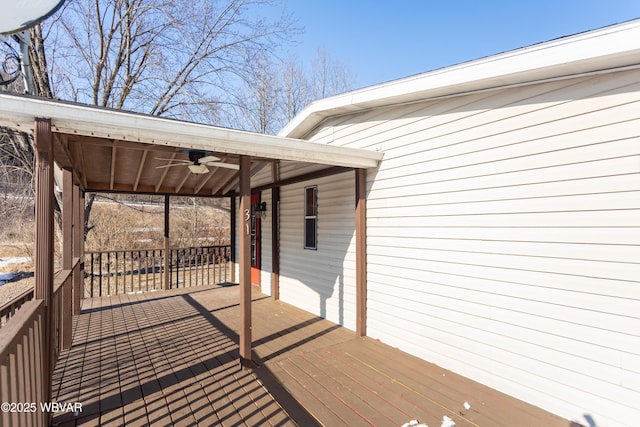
point(198, 169)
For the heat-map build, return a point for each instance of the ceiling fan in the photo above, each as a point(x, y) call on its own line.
point(198, 162)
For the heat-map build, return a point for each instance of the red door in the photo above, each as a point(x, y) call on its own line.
point(255, 239)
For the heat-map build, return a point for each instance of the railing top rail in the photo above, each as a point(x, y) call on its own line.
point(22, 296)
point(156, 249)
point(16, 326)
point(60, 278)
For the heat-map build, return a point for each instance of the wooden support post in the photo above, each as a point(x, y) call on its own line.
point(67, 256)
point(244, 236)
point(361, 252)
point(78, 248)
point(275, 232)
point(167, 257)
point(275, 243)
point(43, 255)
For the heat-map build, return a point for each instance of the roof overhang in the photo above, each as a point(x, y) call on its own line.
point(609, 48)
point(114, 150)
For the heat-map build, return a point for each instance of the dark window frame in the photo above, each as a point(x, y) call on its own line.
point(310, 225)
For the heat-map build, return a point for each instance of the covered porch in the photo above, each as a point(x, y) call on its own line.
point(170, 358)
point(81, 149)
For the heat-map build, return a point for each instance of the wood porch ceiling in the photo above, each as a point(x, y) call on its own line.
point(114, 150)
point(112, 165)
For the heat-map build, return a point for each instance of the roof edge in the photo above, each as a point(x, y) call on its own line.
point(607, 48)
point(19, 112)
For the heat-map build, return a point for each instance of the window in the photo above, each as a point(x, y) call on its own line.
point(310, 217)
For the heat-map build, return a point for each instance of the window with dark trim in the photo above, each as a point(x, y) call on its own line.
point(311, 217)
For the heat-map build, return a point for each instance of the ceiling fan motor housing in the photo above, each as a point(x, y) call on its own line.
point(196, 155)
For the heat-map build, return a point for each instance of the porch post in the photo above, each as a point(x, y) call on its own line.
point(43, 255)
point(244, 236)
point(275, 243)
point(275, 233)
point(167, 257)
point(361, 253)
point(67, 255)
point(78, 246)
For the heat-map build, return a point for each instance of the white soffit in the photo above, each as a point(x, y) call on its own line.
point(19, 112)
point(608, 48)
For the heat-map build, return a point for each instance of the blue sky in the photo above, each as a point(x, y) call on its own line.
point(387, 40)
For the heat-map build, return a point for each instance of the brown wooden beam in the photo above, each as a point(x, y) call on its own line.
point(103, 187)
point(78, 247)
point(333, 170)
point(43, 255)
point(275, 232)
point(67, 256)
point(167, 258)
point(245, 261)
point(361, 252)
point(275, 243)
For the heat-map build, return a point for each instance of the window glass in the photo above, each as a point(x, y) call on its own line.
point(310, 217)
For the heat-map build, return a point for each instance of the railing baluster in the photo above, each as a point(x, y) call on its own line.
point(92, 274)
point(184, 268)
point(100, 279)
point(160, 272)
point(193, 266)
point(117, 271)
point(133, 267)
point(209, 267)
point(108, 273)
point(146, 270)
point(193, 263)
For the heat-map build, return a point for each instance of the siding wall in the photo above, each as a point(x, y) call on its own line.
point(504, 239)
point(320, 281)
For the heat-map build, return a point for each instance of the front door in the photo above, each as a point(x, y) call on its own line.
point(255, 239)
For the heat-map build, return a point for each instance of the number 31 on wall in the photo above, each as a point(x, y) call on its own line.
point(247, 217)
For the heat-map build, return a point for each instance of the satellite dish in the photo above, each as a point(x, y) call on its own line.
point(23, 14)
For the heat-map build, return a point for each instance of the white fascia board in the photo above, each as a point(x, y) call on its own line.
point(608, 48)
point(19, 112)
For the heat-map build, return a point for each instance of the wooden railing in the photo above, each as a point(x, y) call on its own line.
point(9, 309)
point(23, 366)
point(143, 270)
point(27, 357)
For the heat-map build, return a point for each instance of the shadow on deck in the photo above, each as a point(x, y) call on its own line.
point(171, 358)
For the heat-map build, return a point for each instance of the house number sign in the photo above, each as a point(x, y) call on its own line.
point(247, 219)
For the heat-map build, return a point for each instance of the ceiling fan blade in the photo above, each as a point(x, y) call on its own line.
point(171, 164)
point(222, 165)
point(207, 159)
point(174, 160)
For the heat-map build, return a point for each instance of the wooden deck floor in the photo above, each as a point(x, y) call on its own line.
point(170, 358)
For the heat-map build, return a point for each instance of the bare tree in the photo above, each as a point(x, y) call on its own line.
point(329, 76)
point(274, 92)
point(296, 92)
point(161, 57)
point(257, 106)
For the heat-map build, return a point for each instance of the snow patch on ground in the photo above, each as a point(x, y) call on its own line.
point(5, 277)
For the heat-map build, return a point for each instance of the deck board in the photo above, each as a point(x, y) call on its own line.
point(171, 358)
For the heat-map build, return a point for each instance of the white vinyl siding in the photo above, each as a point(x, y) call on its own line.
point(266, 258)
point(320, 281)
point(503, 238)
